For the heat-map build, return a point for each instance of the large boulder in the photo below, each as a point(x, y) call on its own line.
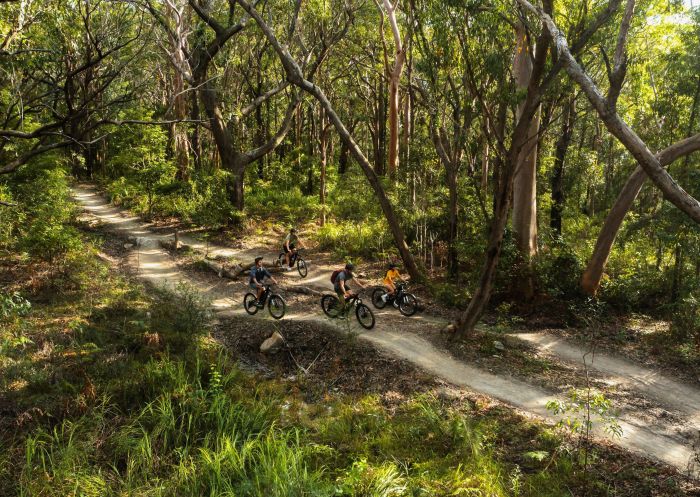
point(272, 344)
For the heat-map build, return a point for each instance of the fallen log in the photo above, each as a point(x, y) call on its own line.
point(303, 290)
point(221, 269)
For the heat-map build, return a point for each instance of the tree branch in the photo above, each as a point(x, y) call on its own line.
point(616, 125)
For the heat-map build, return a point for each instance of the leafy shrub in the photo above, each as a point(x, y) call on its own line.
point(183, 312)
point(290, 206)
point(348, 239)
point(685, 323)
point(48, 209)
point(560, 272)
point(12, 305)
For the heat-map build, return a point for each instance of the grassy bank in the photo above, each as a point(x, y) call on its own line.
point(108, 390)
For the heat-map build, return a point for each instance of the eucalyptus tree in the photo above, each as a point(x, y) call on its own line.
point(68, 72)
point(455, 42)
point(582, 26)
point(688, 63)
point(393, 75)
point(296, 75)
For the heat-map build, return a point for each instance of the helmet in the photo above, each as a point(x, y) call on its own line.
point(392, 265)
point(349, 266)
point(293, 230)
point(258, 259)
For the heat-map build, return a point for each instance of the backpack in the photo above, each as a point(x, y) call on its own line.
point(335, 274)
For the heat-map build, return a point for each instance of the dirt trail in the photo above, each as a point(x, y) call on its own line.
point(653, 439)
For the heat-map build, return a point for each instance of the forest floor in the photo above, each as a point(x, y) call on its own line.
point(659, 416)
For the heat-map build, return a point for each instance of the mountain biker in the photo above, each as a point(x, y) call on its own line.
point(257, 274)
point(391, 274)
point(340, 285)
point(288, 246)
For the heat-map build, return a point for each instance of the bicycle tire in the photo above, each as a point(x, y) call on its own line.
point(408, 305)
point(277, 303)
point(249, 304)
point(329, 304)
point(301, 267)
point(364, 316)
point(377, 300)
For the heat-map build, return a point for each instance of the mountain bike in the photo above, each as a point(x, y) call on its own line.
point(275, 303)
point(406, 303)
point(332, 308)
point(294, 258)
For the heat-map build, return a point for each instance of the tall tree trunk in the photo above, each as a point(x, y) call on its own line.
point(677, 272)
point(394, 82)
point(380, 146)
point(557, 181)
point(343, 158)
point(525, 174)
point(195, 142)
point(452, 262)
point(224, 145)
point(485, 150)
point(323, 144)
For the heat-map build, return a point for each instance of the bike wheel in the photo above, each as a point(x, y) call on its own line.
point(329, 304)
point(249, 304)
point(301, 267)
point(276, 306)
point(364, 316)
point(377, 300)
point(408, 304)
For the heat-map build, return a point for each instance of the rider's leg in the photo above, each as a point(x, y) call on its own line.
point(260, 292)
point(390, 291)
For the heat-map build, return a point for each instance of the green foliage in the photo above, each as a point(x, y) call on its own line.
point(685, 322)
point(13, 305)
point(348, 239)
point(559, 272)
point(185, 308)
point(289, 206)
point(364, 479)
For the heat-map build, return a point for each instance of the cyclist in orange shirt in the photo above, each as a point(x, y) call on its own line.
point(391, 274)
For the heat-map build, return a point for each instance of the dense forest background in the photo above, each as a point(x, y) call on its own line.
point(184, 109)
point(530, 162)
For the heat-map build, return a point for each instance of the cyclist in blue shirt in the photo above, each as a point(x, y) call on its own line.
point(257, 274)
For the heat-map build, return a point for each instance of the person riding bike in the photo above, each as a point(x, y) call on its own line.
point(340, 285)
point(290, 241)
point(391, 275)
point(257, 275)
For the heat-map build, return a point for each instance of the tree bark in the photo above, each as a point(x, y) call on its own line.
point(557, 181)
point(323, 144)
point(525, 177)
point(525, 174)
point(394, 81)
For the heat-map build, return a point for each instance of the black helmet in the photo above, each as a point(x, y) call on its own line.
point(293, 230)
point(349, 267)
point(392, 265)
point(258, 259)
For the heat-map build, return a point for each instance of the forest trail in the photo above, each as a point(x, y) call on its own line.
point(657, 439)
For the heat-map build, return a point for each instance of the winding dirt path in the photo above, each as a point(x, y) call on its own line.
point(655, 439)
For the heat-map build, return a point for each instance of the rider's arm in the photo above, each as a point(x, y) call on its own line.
point(341, 285)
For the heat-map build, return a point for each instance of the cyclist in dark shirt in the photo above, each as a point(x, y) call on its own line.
point(257, 274)
point(341, 283)
point(288, 245)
